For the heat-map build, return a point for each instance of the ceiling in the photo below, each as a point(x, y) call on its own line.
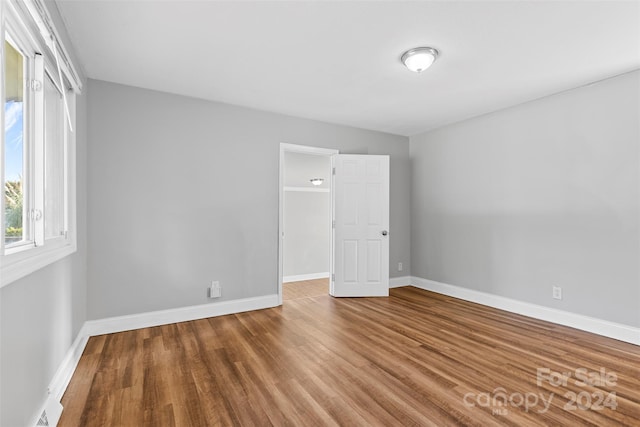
point(338, 61)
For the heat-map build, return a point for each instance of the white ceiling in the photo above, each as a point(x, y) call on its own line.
point(338, 61)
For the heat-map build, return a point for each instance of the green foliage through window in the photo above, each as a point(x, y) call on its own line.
point(13, 209)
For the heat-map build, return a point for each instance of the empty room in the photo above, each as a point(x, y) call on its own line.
point(310, 213)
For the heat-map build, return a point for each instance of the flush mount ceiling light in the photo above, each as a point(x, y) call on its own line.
point(316, 181)
point(419, 59)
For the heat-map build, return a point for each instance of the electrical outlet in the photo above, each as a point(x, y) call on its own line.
point(399, 266)
point(215, 291)
point(557, 292)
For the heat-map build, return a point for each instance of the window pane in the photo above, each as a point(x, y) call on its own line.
point(14, 144)
point(54, 147)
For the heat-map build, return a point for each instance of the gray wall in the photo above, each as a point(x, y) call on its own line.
point(183, 191)
point(307, 225)
point(299, 168)
point(307, 229)
point(41, 314)
point(541, 194)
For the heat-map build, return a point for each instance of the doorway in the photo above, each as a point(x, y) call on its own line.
point(305, 233)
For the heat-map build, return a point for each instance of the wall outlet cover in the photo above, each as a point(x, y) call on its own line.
point(215, 291)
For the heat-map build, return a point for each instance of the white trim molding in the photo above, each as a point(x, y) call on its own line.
point(18, 269)
point(594, 325)
point(68, 366)
point(183, 314)
point(294, 148)
point(61, 379)
point(398, 282)
point(300, 277)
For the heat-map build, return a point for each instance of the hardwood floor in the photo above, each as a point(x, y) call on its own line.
point(305, 289)
point(415, 358)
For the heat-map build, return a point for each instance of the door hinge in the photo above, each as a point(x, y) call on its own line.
point(333, 277)
point(333, 224)
point(36, 85)
point(334, 171)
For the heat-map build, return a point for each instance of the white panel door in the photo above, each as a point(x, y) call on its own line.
point(361, 215)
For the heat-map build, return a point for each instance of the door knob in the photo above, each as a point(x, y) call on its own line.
point(385, 232)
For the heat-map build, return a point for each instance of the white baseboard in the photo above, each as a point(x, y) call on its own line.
point(397, 282)
point(61, 379)
point(300, 277)
point(68, 366)
point(156, 318)
point(163, 317)
point(394, 282)
point(605, 328)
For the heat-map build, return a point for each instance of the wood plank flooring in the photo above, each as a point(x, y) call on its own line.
point(305, 289)
point(414, 359)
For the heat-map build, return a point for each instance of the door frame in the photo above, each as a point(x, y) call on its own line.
point(303, 149)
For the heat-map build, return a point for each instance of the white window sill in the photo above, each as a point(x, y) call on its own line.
point(13, 270)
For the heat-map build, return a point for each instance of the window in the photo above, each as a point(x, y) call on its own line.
point(15, 232)
point(38, 143)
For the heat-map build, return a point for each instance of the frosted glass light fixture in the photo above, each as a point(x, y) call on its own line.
point(419, 59)
point(316, 181)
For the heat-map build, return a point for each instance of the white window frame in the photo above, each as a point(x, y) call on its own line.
point(17, 17)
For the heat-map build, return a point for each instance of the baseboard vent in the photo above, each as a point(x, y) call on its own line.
point(43, 421)
point(50, 413)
